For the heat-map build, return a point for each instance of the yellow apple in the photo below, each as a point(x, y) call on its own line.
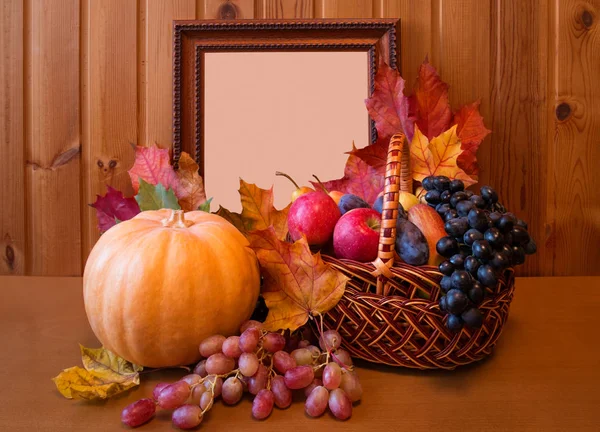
point(408, 200)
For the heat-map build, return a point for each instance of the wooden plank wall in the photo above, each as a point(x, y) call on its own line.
point(82, 80)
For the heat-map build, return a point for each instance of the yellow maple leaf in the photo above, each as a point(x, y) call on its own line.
point(438, 157)
point(104, 374)
point(298, 283)
point(258, 212)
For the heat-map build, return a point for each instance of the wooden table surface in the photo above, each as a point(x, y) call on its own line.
point(544, 375)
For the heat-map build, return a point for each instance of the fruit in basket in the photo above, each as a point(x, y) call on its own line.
point(378, 206)
point(494, 240)
point(167, 280)
point(350, 202)
point(432, 226)
point(315, 215)
point(334, 194)
point(356, 235)
point(407, 200)
point(300, 190)
point(411, 244)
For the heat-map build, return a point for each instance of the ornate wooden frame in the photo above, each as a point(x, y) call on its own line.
point(192, 39)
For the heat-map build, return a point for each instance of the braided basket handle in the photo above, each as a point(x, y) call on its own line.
point(397, 178)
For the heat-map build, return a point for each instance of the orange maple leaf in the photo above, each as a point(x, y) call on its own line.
point(438, 157)
point(298, 284)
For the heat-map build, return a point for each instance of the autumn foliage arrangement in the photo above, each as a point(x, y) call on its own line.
point(307, 269)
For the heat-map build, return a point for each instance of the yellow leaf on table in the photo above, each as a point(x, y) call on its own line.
point(299, 284)
point(438, 157)
point(104, 375)
point(258, 212)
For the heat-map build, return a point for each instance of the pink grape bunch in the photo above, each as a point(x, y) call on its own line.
point(267, 365)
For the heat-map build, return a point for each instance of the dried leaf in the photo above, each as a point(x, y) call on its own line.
point(359, 179)
point(438, 157)
point(104, 375)
point(113, 208)
point(152, 164)
point(431, 102)
point(299, 284)
point(190, 188)
point(234, 218)
point(155, 197)
point(471, 131)
point(388, 106)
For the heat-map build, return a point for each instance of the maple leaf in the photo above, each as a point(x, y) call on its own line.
point(299, 284)
point(375, 154)
point(359, 179)
point(388, 106)
point(431, 102)
point(233, 218)
point(113, 208)
point(155, 197)
point(103, 375)
point(190, 187)
point(471, 131)
point(152, 164)
point(258, 212)
point(438, 157)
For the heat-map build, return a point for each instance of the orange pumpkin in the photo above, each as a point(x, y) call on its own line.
point(156, 285)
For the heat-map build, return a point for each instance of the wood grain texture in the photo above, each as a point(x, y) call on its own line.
point(521, 387)
point(343, 8)
point(52, 148)
point(517, 153)
point(574, 137)
point(225, 9)
point(284, 9)
point(109, 103)
point(416, 32)
point(156, 85)
point(12, 180)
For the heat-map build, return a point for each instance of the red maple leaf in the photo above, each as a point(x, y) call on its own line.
point(388, 106)
point(431, 102)
point(471, 132)
point(359, 179)
point(114, 207)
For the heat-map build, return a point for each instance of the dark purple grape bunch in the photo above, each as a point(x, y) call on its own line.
point(483, 240)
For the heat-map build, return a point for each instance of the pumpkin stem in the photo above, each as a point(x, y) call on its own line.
point(176, 219)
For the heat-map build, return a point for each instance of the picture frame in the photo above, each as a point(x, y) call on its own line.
point(193, 39)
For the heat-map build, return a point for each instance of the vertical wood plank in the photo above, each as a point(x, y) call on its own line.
point(12, 182)
point(53, 138)
point(109, 99)
point(517, 156)
point(575, 137)
point(284, 9)
point(156, 83)
point(343, 8)
point(222, 9)
point(415, 26)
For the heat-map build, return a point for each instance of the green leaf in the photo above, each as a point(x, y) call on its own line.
point(104, 374)
point(205, 206)
point(155, 197)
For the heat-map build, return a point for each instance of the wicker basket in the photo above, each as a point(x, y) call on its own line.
point(389, 313)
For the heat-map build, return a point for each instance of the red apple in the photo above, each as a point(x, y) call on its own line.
point(313, 214)
point(356, 235)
